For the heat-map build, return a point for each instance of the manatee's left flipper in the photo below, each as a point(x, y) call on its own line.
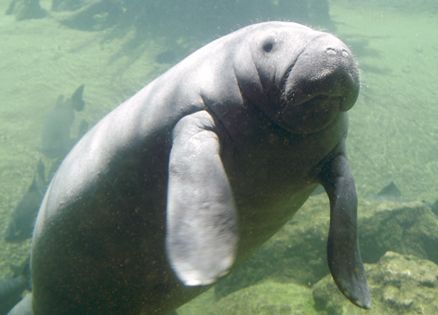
point(343, 253)
point(201, 234)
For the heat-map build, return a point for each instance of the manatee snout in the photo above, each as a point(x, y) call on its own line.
point(323, 81)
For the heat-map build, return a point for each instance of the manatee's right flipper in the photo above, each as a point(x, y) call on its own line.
point(201, 225)
point(343, 253)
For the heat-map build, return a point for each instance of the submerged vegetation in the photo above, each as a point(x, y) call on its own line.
point(171, 18)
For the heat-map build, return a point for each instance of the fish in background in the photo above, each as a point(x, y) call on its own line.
point(23, 217)
point(434, 207)
point(55, 144)
point(12, 288)
point(389, 192)
point(56, 141)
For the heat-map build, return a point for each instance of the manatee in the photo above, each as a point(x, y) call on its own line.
point(55, 139)
point(189, 176)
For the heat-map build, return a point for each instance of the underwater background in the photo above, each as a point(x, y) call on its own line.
point(107, 50)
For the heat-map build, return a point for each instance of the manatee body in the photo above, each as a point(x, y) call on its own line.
point(190, 175)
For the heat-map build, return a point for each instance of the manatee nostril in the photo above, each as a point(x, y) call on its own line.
point(334, 51)
point(331, 51)
point(345, 53)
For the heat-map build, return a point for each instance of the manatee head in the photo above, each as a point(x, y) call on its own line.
point(306, 77)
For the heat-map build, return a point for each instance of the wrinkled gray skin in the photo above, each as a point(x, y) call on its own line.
point(190, 175)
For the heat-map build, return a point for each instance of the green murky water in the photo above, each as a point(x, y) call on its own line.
point(393, 132)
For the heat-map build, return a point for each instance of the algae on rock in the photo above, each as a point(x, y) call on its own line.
point(265, 298)
point(400, 284)
point(407, 229)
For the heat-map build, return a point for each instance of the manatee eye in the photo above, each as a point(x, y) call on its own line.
point(268, 45)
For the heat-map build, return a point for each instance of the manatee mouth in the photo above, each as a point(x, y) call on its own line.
point(321, 83)
point(307, 109)
point(311, 114)
point(300, 91)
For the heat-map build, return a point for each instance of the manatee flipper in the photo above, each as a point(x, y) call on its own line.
point(343, 253)
point(201, 235)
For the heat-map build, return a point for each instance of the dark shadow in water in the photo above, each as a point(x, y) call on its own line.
point(170, 22)
point(360, 46)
